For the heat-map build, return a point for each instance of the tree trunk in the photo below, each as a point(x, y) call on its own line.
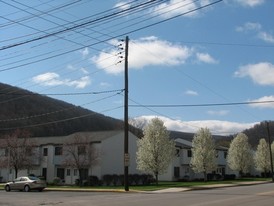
point(156, 177)
point(80, 178)
point(16, 172)
point(205, 177)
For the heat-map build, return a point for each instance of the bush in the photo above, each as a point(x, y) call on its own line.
point(107, 179)
point(136, 179)
point(115, 179)
point(56, 181)
point(229, 177)
point(122, 179)
point(93, 181)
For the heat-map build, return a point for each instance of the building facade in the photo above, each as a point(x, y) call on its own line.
point(53, 157)
point(180, 168)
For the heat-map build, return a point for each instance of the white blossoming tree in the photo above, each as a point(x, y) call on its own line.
point(203, 152)
point(239, 157)
point(155, 150)
point(272, 149)
point(262, 157)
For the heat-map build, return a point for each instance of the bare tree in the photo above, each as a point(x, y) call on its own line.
point(20, 151)
point(155, 149)
point(204, 152)
point(81, 154)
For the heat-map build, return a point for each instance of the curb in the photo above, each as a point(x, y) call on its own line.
point(167, 190)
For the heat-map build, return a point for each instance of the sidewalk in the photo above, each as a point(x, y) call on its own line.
point(213, 186)
point(167, 190)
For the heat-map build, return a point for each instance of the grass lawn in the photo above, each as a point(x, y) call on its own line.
point(164, 185)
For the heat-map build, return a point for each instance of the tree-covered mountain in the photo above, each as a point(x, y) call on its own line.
point(45, 116)
point(258, 132)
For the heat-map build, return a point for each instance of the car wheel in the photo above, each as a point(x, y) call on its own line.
point(26, 188)
point(7, 188)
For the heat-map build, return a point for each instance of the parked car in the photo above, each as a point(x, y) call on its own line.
point(26, 184)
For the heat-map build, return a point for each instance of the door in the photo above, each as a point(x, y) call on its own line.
point(44, 173)
point(61, 173)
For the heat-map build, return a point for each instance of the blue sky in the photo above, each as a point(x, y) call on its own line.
point(211, 52)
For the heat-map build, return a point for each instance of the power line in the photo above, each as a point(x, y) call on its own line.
point(59, 121)
point(63, 94)
point(66, 29)
point(200, 105)
point(110, 38)
point(57, 111)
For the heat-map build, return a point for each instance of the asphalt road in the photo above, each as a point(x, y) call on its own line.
point(262, 195)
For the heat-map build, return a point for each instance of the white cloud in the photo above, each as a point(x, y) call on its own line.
point(178, 7)
point(263, 105)
point(54, 79)
point(266, 37)
point(191, 93)
point(218, 112)
point(206, 58)
point(250, 3)
point(105, 84)
point(123, 5)
point(249, 26)
point(84, 52)
point(256, 27)
point(175, 7)
point(257, 72)
point(215, 126)
point(148, 51)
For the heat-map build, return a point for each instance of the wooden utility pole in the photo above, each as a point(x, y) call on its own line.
point(126, 154)
point(269, 144)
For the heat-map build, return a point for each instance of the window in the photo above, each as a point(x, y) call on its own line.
point(58, 151)
point(45, 152)
point(61, 173)
point(75, 172)
point(189, 153)
point(225, 155)
point(68, 172)
point(177, 154)
point(176, 172)
point(81, 150)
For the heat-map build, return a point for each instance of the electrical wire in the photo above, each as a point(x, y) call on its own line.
point(110, 38)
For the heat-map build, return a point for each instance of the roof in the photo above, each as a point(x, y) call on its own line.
point(187, 144)
point(92, 136)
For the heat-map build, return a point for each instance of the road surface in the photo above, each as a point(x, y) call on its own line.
point(262, 195)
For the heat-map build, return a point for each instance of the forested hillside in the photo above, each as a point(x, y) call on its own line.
point(259, 131)
point(45, 116)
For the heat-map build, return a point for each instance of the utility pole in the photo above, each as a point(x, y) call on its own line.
point(269, 144)
point(126, 154)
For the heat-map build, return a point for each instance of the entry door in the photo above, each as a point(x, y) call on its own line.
point(44, 173)
point(61, 173)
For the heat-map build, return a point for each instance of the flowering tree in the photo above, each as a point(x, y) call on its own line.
point(262, 157)
point(20, 151)
point(79, 153)
point(203, 152)
point(155, 150)
point(239, 157)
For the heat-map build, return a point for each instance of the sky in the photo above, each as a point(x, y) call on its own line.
point(192, 63)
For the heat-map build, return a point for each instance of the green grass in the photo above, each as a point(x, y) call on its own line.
point(164, 185)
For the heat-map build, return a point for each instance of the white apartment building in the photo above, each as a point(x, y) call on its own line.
point(110, 147)
point(108, 144)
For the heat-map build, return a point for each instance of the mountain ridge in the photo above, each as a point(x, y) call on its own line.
point(46, 116)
